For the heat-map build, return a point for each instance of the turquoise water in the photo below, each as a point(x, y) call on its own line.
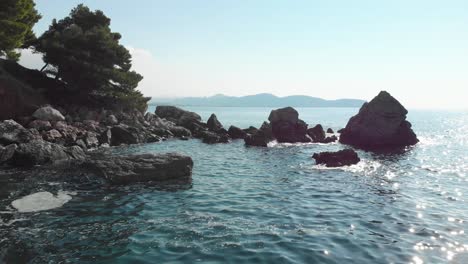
point(270, 205)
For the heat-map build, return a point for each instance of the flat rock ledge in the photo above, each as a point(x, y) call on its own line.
point(340, 158)
point(141, 168)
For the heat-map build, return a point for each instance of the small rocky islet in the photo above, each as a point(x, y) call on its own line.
point(72, 141)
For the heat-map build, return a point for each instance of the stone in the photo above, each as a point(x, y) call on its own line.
point(287, 127)
point(214, 124)
point(261, 138)
point(12, 132)
point(39, 152)
point(317, 134)
point(340, 158)
point(111, 120)
point(142, 168)
point(121, 135)
point(330, 139)
point(330, 131)
point(6, 153)
point(179, 131)
point(52, 135)
point(380, 125)
point(91, 140)
point(236, 133)
point(210, 137)
point(48, 113)
point(250, 130)
point(105, 137)
point(40, 125)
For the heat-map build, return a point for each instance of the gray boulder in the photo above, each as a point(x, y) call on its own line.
point(380, 124)
point(6, 153)
point(12, 132)
point(317, 134)
point(40, 125)
point(48, 113)
point(261, 137)
point(236, 133)
point(141, 168)
point(121, 134)
point(39, 152)
point(340, 158)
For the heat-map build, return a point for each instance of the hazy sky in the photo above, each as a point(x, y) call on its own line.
point(417, 50)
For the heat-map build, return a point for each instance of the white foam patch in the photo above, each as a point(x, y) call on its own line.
point(41, 201)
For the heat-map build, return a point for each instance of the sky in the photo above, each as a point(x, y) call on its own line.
point(417, 50)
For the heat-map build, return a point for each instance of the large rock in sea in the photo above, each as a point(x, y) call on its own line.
point(214, 124)
point(12, 132)
point(380, 124)
point(141, 168)
point(287, 127)
point(122, 134)
point(261, 137)
point(340, 158)
point(317, 134)
point(236, 133)
point(179, 116)
point(48, 113)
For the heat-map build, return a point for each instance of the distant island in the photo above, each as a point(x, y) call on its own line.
point(258, 100)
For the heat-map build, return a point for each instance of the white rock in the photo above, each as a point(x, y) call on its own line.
point(40, 201)
point(48, 113)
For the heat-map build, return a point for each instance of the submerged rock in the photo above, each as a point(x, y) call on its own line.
point(380, 124)
point(141, 168)
point(48, 113)
point(340, 158)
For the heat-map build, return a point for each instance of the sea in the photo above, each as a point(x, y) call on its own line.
point(264, 205)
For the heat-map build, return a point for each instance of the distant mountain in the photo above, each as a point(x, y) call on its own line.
point(258, 100)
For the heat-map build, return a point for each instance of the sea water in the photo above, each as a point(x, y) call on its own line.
point(267, 205)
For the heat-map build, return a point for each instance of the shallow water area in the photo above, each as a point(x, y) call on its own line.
point(266, 205)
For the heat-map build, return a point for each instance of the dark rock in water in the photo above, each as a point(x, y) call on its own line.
point(39, 152)
point(122, 135)
point(236, 133)
point(48, 113)
point(141, 168)
point(330, 131)
point(12, 132)
point(214, 124)
point(341, 130)
point(6, 153)
point(287, 127)
point(177, 115)
point(330, 139)
point(380, 124)
point(261, 137)
point(340, 158)
point(210, 137)
point(180, 132)
point(317, 134)
point(250, 130)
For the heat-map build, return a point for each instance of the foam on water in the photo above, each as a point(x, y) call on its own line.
point(41, 201)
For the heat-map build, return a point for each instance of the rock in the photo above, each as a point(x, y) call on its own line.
point(48, 113)
point(341, 130)
point(91, 125)
point(81, 144)
point(142, 168)
point(317, 134)
point(111, 120)
point(51, 135)
point(105, 137)
point(340, 158)
point(40, 125)
point(250, 130)
point(91, 140)
point(122, 135)
point(236, 133)
point(330, 131)
point(12, 132)
point(153, 138)
point(173, 113)
point(330, 139)
point(380, 124)
point(214, 124)
point(38, 152)
point(261, 137)
point(287, 127)
point(75, 152)
point(179, 131)
point(6, 153)
point(210, 137)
